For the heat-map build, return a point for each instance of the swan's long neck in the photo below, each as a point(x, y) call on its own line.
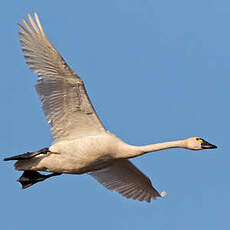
point(129, 151)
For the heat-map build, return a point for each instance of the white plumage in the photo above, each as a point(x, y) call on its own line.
point(82, 144)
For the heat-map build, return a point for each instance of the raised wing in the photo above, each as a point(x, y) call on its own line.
point(63, 95)
point(126, 179)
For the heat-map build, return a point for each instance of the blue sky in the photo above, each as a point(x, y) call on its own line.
point(155, 71)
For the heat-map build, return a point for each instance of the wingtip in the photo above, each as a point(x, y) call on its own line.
point(163, 194)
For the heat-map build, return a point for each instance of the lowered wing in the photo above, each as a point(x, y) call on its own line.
point(128, 180)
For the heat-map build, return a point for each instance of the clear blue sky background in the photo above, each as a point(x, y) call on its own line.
point(155, 71)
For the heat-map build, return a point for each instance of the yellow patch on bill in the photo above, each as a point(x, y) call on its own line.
point(201, 141)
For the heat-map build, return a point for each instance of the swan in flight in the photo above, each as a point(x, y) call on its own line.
point(82, 144)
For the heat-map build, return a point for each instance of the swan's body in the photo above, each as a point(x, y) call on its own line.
point(77, 156)
point(82, 144)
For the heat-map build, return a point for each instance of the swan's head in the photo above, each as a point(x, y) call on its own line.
point(197, 143)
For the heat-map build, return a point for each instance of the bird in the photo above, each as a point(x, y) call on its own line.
point(82, 145)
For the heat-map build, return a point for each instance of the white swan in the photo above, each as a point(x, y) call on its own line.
point(82, 144)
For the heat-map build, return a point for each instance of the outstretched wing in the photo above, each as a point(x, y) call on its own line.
point(63, 95)
point(128, 180)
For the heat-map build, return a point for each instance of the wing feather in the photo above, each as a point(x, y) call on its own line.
point(126, 179)
point(63, 95)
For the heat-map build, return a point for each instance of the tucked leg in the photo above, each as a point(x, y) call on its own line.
point(28, 155)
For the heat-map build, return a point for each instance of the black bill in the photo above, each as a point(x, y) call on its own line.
point(206, 145)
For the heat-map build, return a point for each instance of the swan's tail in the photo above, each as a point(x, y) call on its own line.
point(29, 178)
point(30, 160)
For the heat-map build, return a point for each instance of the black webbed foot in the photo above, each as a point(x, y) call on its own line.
point(29, 178)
